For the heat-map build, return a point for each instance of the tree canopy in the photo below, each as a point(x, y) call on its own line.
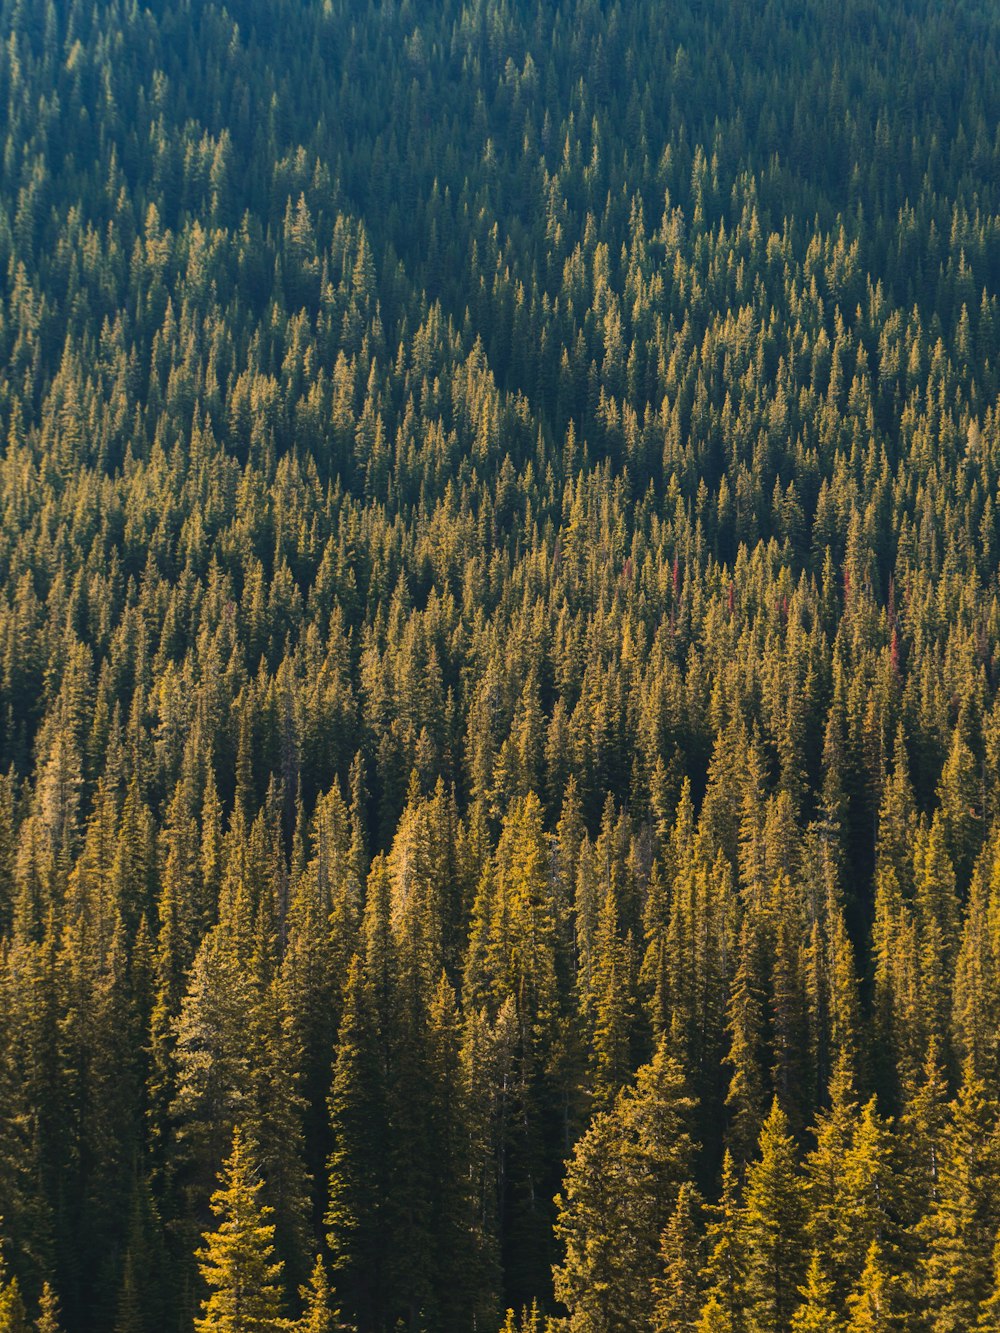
point(499, 665)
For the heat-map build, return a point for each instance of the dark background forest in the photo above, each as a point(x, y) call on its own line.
point(499, 662)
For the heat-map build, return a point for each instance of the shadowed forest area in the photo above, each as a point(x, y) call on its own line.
point(499, 663)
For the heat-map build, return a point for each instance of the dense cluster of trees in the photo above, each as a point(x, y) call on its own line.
point(499, 664)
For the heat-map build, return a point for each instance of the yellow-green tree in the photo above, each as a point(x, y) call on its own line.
point(816, 1313)
point(771, 1228)
point(319, 1307)
point(237, 1261)
point(620, 1191)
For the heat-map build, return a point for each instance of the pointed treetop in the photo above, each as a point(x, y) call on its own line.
point(320, 1313)
point(48, 1313)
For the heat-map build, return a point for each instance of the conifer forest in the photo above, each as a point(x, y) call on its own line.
point(499, 666)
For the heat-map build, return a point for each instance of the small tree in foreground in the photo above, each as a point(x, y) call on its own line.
point(237, 1261)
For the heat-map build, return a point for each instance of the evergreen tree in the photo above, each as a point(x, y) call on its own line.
point(771, 1224)
point(237, 1261)
point(676, 1290)
point(723, 1276)
point(361, 431)
point(877, 1300)
point(621, 1190)
point(961, 1224)
point(355, 1218)
point(319, 1313)
point(747, 1097)
point(816, 1312)
point(13, 1316)
point(48, 1312)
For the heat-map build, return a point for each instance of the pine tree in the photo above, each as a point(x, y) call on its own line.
point(612, 1005)
point(923, 1126)
point(237, 1260)
point(855, 1186)
point(619, 1193)
point(48, 1312)
point(936, 905)
point(676, 1289)
point(989, 1310)
point(975, 993)
point(958, 792)
point(358, 1172)
point(319, 1312)
point(272, 1116)
point(512, 960)
point(877, 1300)
point(13, 1316)
point(960, 1228)
point(788, 1026)
point(899, 1027)
point(460, 1276)
point(824, 1165)
point(716, 1318)
point(771, 1228)
point(816, 1313)
point(212, 1057)
point(747, 1096)
point(723, 1276)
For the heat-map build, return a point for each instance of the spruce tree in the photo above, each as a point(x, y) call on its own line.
point(816, 1312)
point(48, 1312)
point(237, 1261)
point(13, 1316)
point(772, 1228)
point(358, 1179)
point(715, 1318)
point(723, 1276)
point(747, 1095)
point(319, 1310)
point(620, 1191)
point(676, 1288)
point(960, 1227)
point(877, 1301)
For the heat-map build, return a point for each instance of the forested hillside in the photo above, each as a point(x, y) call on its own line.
point(499, 666)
